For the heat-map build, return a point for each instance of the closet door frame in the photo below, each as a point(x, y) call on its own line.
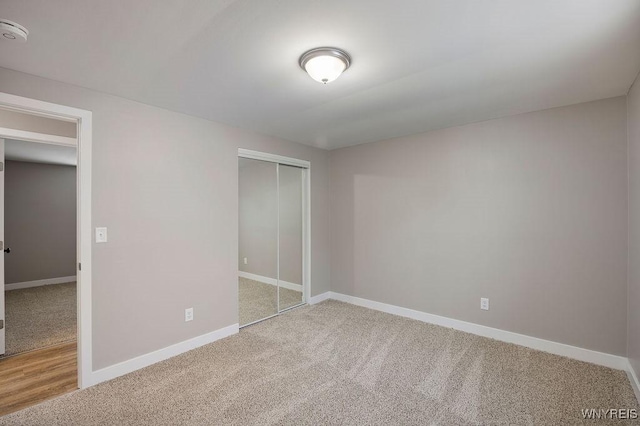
point(306, 215)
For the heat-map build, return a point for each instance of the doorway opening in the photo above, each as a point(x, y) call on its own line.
point(45, 269)
point(273, 235)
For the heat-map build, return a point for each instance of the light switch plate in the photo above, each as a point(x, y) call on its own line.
point(101, 235)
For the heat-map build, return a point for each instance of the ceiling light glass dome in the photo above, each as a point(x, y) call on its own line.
point(325, 64)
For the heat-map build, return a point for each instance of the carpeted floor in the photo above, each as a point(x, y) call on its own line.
point(335, 363)
point(38, 317)
point(259, 300)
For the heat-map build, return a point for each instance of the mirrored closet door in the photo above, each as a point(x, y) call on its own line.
point(257, 240)
point(290, 236)
point(271, 238)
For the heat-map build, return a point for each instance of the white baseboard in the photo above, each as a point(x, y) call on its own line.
point(635, 383)
point(272, 281)
point(38, 283)
point(320, 298)
point(581, 354)
point(146, 360)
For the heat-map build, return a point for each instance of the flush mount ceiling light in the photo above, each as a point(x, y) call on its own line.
point(12, 31)
point(325, 64)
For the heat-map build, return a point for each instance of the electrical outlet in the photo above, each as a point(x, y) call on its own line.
point(484, 304)
point(188, 314)
point(245, 261)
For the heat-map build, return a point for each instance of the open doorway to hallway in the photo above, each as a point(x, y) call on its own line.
point(39, 224)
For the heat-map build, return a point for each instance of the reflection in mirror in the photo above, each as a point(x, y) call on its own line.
point(290, 232)
point(257, 240)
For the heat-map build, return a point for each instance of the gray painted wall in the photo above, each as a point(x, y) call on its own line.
point(258, 226)
point(166, 186)
point(633, 123)
point(40, 221)
point(33, 123)
point(529, 211)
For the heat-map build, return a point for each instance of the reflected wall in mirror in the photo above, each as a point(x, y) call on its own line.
point(257, 240)
point(290, 232)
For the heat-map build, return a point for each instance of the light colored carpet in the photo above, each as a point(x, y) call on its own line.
point(38, 317)
point(335, 363)
point(259, 300)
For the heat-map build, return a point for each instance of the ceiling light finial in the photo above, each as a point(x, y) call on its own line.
point(325, 64)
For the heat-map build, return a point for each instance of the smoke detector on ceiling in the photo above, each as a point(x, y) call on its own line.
point(12, 31)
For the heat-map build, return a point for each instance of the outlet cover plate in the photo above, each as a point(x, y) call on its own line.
point(188, 314)
point(484, 304)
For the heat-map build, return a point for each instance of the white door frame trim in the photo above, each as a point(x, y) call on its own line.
point(306, 208)
point(37, 137)
point(84, 142)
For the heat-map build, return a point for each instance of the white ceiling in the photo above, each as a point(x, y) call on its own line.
point(33, 152)
point(418, 65)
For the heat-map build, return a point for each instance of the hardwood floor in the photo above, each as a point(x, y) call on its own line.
point(29, 378)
